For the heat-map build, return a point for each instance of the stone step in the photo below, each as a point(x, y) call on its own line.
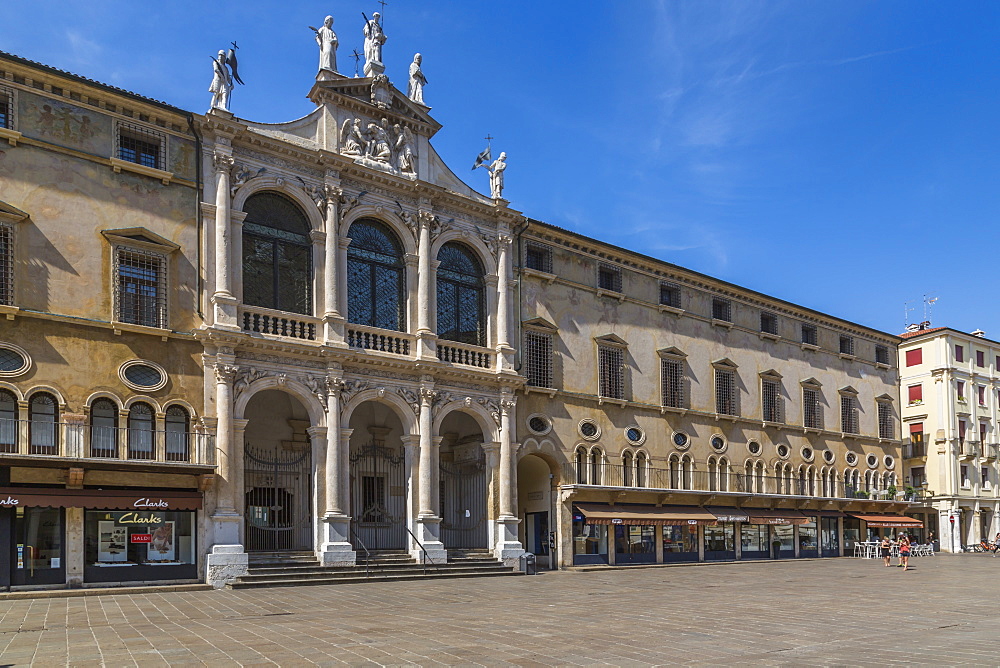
point(372, 567)
point(327, 574)
point(362, 578)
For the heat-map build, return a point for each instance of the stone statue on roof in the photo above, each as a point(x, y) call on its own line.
point(496, 175)
point(417, 80)
point(327, 41)
point(374, 39)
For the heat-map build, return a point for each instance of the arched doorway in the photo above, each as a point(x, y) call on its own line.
point(379, 479)
point(463, 484)
point(277, 474)
point(535, 509)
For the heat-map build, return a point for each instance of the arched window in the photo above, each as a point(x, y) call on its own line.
point(627, 469)
point(8, 422)
point(581, 466)
point(178, 438)
point(803, 481)
point(43, 430)
point(375, 286)
point(779, 479)
point(641, 464)
point(140, 431)
point(712, 473)
point(277, 264)
point(460, 296)
point(723, 474)
point(103, 428)
point(674, 466)
point(760, 477)
point(596, 466)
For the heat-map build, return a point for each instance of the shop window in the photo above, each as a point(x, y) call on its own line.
point(177, 425)
point(590, 541)
point(43, 428)
point(104, 429)
point(808, 539)
point(141, 426)
point(635, 544)
point(680, 543)
point(38, 538)
point(8, 422)
point(139, 545)
point(755, 541)
point(720, 541)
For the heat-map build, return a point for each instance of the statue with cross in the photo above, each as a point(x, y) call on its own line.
point(374, 39)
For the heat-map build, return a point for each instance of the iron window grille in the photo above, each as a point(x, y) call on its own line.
point(141, 145)
point(769, 323)
point(770, 391)
point(722, 309)
point(725, 392)
point(812, 410)
point(672, 383)
point(6, 264)
point(140, 287)
point(882, 354)
point(6, 108)
point(611, 364)
point(849, 414)
point(886, 424)
point(538, 358)
point(609, 278)
point(538, 257)
point(277, 255)
point(846, 345)
point(670, 295)
point(375, 277)
point(460, 296)
point(809, 335)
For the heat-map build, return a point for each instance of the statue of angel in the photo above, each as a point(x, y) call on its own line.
point(222, 79)
point(404, 148)
point(352, 140)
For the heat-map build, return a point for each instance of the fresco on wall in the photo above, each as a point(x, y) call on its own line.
point(64, 124)
point(180, 158)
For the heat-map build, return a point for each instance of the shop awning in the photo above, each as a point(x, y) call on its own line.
point(824, 513)
point(729, 514)
point(629, 514)
point(100, 499)
point(761, 516)
point(891, 521)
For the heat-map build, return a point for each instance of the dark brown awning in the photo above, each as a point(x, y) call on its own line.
point(761, 516)
point(103, 499)
point(890, 521)
point(729, 514)
point(629, 514)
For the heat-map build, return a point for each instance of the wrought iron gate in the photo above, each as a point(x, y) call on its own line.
point(278, 504)
point(378, 497)
point(463, 500)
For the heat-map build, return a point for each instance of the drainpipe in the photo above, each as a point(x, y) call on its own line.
point(197, 205)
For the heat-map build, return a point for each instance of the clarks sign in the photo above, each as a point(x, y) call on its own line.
point(110, 499)
point(150, 503)
point(9, 502)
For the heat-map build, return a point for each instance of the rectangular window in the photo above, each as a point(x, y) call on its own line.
point(980, 358)
point(914, 357)
point(982, 432)
point(809, 335)
point(915, 394)
point(6, 265)
point(670, 295)
point(725, 392)
point(611, 362)
point(982, 394)
point(984, 476)
point(997, 367)
point(960, 387)
point(812, 417)
point(846, 345)
point(139, 144)
point(609, 278)
point(848, 414)
point(917, 476)
point(965, 476)
point(886, 425)
point(961, 431)
point(959, 353)
point(538, 256)
point(916, 440)
point(770, 396)
point(882, 355)
point(538, 358)
point(722, 309)
point(672, 372)
point(768, 323)
point(6, 108)
point(140, 288)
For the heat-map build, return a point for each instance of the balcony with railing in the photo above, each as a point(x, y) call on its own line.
point(257, 320)
point(914, 450)
point(79, 441)
point(379, 340)
point(464, 354)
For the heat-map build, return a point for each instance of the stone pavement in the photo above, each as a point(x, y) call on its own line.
point(827, 612)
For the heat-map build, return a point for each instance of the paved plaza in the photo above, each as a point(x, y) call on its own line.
point(823, 612)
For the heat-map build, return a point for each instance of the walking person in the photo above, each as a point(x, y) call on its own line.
point(886, 548)
point(996, 544)
point(904, 552)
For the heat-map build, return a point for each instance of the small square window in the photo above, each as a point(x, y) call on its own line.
point(980, 358)
point(140, 145)
point(882, 355)
point(670, 295)
point(915, 357)
point(768, 323)
point(722, 309)
point(846, 345)
point(609, 278)
point(809, 335)
point(538, 257)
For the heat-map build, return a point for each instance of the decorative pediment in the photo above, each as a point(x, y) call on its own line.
point(612, 340)
point(811, 383)
point(847, 389)
point(885, 397)
point(725, 363)
point(540, 323)
point(671, 353)
point(770, 373)
point(11, 214)
point(140, 237)
point(376, 96)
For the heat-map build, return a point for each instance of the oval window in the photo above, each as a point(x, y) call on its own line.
point(588, 429)
point(143, 375)
point(11, 361)
point(718, 443)
point(634, 434)
point(753, 447)
point(782, 451)
point(538, 424)
point(680, 439)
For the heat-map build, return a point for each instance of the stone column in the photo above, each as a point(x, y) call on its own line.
point(411, 446)
point(336, 549)
point(227, 559)
point(318, 259)
point(505, 352)
point(333, 315)
point(223, 301)
point(507, 548)
point(428, 524)
point(425, 279)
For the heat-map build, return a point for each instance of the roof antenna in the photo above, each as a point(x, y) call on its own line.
point(928, 309)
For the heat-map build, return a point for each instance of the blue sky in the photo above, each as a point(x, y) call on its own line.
point(843, 156)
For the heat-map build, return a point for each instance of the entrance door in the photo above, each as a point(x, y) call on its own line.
point(278, 505)
point(37, 547)
point(463, 499)
point(536, 532)
point(378, 498)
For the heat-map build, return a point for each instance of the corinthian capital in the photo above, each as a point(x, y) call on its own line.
point(507, 405)
point(226, 373)
point(223, 161)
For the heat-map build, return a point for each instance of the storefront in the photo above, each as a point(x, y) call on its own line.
point(720, 540)
point(635, 530)
point(878, 526)
point(680, 542)
point(829, 533)
point(809, 538)
point(127, 536)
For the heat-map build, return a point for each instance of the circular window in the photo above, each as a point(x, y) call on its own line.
point(681, 440)
point(143, 376)
point(589, 430)
point(718, 443)
point(889, 461)
point(852, 458)
point(783, 451)
point(828, 456)
point(753, 447)
point(872, 461)
point(807, 453)
point(13, 360)
point(635, 435)
point(539, 424)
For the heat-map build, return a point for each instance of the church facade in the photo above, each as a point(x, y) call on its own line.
point(371, 356)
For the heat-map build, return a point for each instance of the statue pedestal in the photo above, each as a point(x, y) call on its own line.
point(328, 75)
point(336, 549)
point(374, 68)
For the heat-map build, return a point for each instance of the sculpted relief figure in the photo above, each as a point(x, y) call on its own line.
point(327, 41)
point(496, 175)
point(378, 142)
point(417, 80)
point(404, 148)
point(352, 139)
point(374, 39)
